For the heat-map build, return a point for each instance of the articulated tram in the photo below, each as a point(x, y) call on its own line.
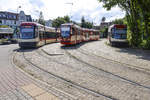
point(34, 35)
point(73, 34)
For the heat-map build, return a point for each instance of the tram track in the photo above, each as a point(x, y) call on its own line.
point(71, 83)
point(82, 87)
point(52, 89)
point(143, 70)
point(125, 79)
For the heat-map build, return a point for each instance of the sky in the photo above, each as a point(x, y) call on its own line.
point(92, 10)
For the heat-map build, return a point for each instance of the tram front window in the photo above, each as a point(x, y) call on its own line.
point(27, 32)
point(65, 32)
point(120, 33)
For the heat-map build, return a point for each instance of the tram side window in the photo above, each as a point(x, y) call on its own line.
point(51, 35)
point(0, 21)
point(36, 32)
point(41, 34)
point(73, 31)
point(78, 31)
point(112, 32)
point(87, 35)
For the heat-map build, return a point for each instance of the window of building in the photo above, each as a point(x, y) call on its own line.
point(0, 21)
point(14, 17)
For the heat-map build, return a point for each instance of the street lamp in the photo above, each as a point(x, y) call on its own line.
point(18, 8)
point(70, 3)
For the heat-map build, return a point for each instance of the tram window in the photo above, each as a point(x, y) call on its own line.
point(51, 35)
point(36, 32)
point(41, 34)
point(78, 31)
point(73, 31)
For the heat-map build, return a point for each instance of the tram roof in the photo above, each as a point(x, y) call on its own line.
point(50, 27)
point(71, 24)
point(118, 25)
point(30, 23)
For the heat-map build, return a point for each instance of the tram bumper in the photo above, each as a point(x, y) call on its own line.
point(119, 40)
point(27, 43)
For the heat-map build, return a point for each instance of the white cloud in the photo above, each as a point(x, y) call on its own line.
point(91, 9)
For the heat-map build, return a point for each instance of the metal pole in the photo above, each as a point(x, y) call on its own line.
point(70, 3)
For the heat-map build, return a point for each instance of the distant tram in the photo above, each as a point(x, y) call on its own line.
point(117, 34)
point(73, 34)
point(34, 35)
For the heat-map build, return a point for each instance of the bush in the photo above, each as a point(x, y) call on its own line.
point(4, 26)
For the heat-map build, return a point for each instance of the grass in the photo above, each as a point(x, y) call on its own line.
point(3, 40)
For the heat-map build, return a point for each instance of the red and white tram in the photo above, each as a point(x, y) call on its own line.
point(73, 34)
point(34, 35)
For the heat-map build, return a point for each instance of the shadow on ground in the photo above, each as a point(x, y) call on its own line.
point(25, 49)
point(76, 46)
point(141, 54)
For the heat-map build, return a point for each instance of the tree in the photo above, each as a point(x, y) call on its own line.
point(86, 24)
point(60, 20)
point(67, 19)
point(104, 32)
point(145, 17)
point(136, 12)
point(118, 21)
point(41, 18)
point(103, 19)
point(83, 22)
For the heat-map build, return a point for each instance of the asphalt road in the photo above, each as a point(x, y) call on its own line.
point(11, 79)
point(5, 53)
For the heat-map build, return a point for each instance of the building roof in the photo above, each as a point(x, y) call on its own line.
point(12, 16)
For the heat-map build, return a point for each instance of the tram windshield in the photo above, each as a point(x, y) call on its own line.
point(27, 32)
point(121, 31)
point(65, 31)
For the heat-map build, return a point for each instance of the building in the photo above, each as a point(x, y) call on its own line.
point(105, 24)
point(13, 19)
point(48, 23)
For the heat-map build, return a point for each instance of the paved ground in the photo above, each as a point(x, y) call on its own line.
point(96, 67)
point(14, 84)
point(136, 57)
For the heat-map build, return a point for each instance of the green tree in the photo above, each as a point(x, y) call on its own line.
point(133, 15)
point(103, 19)
point(104, 32)
point(143, 6)
point(118, 21)
point(86, 24)
point(60, 20)
point(83, 22)
point(41, 19)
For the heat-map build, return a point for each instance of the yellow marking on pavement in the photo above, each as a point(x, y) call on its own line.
point(29, 87)
point(38, 93)
point(46, 96)
point(35, 92)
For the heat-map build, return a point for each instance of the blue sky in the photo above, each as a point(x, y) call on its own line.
point(92, 10)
